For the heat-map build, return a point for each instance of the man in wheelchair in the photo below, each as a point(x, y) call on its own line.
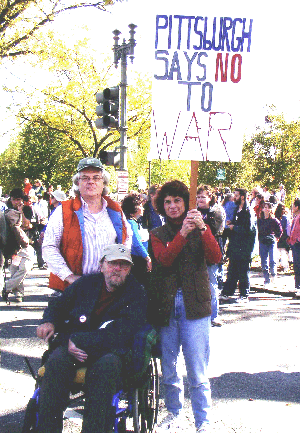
point(96, 318)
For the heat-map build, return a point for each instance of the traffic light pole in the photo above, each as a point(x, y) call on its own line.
point(120, 53)
point(123, 118)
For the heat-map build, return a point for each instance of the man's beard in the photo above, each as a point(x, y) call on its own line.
point(115, 283)
point(238, 201)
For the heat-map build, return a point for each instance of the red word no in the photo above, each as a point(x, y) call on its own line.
point(235, 68)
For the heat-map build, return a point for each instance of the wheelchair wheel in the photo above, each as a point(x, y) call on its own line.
point(30, 418)
point(145, 401)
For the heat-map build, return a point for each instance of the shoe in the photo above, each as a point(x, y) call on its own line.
point(216, 323)
point(18, 299)
point(5, 295)
point(273, 280)
point(171, 424)
point(242, 299)
point(224, 298)
point(268, 285)
point(204, 428)
point(43, 267)
point(297, 292)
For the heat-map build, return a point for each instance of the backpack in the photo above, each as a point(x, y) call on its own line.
point(3, 231)
point(12, 236)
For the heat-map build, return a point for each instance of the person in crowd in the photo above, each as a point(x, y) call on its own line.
point(266, 193)
point(3, 240)
point(256, 190)
point(18, 250)
point(273, 198)
point(133, 209)
point(269, 232)
point(57, 197)
point(180, 302)
point(3, 206)
point(229, 207)
point(240, 247)
point(281, 193)
point(218, 195)
point(150, 218)
point(283, 247)
point(41, 211)
point(50, 190)
point(80, 229)
point(96, 318)
point(38, 187)
point(214, 216)
point(27, 186)
point(259, 204)
point(294, 242)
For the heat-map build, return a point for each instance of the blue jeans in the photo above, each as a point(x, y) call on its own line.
point(296, 263)
point(213, 272)
point(265, 252)
point(193, 336)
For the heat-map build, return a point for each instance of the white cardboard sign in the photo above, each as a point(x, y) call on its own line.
point(200, 85)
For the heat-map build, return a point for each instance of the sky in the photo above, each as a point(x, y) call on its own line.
point(272, 78)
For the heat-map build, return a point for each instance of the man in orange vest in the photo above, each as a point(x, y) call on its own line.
point(80, 229)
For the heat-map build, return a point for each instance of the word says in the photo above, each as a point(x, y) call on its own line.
point(220, 34)
point(207, 87)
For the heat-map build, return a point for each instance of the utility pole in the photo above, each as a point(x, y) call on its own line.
point(121, 51)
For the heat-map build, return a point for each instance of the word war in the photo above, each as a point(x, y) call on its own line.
point(202, 141)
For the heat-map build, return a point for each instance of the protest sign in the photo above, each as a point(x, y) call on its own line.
point(201, 72)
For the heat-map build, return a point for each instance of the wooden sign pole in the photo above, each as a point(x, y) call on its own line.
point(193, 184)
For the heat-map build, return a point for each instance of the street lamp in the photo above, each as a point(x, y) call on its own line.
point(121, 51)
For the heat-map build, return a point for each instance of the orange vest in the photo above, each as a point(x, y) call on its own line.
point(71, 247)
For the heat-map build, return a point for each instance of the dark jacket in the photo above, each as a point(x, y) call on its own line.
point(150, 219)
point(242, 237)
point(71, 314)
point(268, 230)
point(188, 271)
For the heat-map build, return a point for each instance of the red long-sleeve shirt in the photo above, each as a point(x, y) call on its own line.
point(166, 255)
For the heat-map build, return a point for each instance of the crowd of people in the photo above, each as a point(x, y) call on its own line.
point(113, 266)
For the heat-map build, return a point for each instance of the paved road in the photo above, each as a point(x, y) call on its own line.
point(255, 361)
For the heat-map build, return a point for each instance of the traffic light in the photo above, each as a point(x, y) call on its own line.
point(108, 108)
point(110, 158)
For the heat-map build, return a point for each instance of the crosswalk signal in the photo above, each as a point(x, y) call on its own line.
point(108, 108)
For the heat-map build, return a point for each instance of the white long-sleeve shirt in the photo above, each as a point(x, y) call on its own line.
point(99, 232)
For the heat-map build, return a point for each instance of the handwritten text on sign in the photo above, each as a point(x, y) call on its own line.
point(196, 94)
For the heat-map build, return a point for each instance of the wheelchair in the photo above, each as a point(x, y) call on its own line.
point(135, 407)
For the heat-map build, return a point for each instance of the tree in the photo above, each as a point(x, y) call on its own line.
point(275, 154)
point(7, 162)
point(39, 153)
point(20, 20)
point(68, 106)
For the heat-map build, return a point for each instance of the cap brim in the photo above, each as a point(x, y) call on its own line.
point(111, 259)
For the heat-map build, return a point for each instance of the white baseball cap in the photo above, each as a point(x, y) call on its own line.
point(117, 252)
point(59, 195)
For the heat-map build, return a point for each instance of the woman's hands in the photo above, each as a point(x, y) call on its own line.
point(149, 264)
point(192, 220)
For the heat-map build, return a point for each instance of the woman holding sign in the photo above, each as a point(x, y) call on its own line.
point(180, 301)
